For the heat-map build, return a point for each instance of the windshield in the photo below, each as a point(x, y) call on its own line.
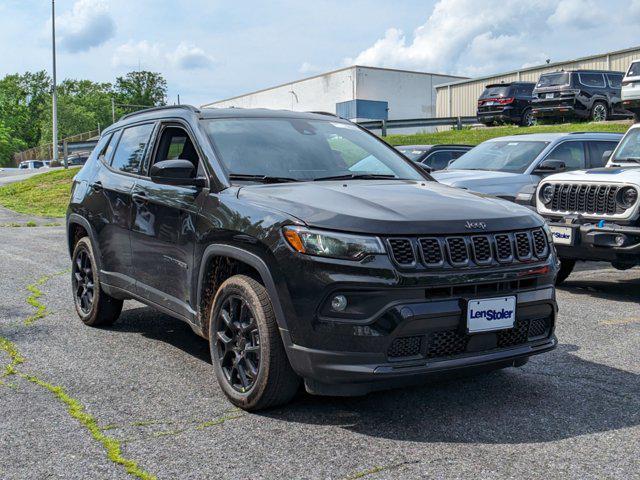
point(411, 153)
point(495, 92)
point(629, 149)
point(293, 149)
point(500, 156)
point(553, 80)
point(634, 70)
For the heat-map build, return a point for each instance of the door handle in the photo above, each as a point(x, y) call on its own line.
point(96, 186)
point(139, 198)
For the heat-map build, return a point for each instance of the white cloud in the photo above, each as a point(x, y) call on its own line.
point(133, 54)
point(309, 68)
point(88, 24)
point(189, 57)
point(470, 37)
point(149, 55)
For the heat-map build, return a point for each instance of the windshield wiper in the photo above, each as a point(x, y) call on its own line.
point(261, 178)
point(358, 176)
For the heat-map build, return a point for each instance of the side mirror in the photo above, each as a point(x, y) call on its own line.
point(424, 167)
point(605, 156)
point(550, 166)
point(175, 172)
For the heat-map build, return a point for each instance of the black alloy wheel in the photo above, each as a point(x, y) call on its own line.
point(83, 282)
point(599, 112)
point(238, 343)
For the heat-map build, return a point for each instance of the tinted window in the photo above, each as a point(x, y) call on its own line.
point(571, 153)
point(495, 92)
point(597, 149)
point(303, 149)
point(615, 81)
point(553, 80)
point(591, 79)
point(502, 156)
point(102, 146)
point(176, 144)
point(634, 70)
point(131, 148)
point(524, 91)
point(439, 160)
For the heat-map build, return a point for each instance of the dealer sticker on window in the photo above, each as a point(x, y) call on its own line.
point(491, 314)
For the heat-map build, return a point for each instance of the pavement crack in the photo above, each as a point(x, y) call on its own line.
point(378, 469)
point(74, 407)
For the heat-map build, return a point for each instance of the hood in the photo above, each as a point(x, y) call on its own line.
point(389, 207)
point(599, 175)
point(474, 178)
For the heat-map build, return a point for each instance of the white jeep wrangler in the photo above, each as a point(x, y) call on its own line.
point(594, 214)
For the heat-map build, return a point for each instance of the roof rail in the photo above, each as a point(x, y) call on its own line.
point(161, 107)
point(329, 114)
point(587, 132)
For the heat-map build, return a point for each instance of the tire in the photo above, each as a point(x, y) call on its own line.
point(528, 120)
point(94, 307)
point(599, 112)
point(247, 353)
point(566, 267)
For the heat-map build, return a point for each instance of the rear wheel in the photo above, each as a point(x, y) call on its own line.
point(94, 306)
point(566, 267)
point(599, 112)
point(528, 120)
point(247, 353)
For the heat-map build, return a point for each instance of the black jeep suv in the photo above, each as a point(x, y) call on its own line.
point(506, 103)
point(304, 247)
point(585, 94)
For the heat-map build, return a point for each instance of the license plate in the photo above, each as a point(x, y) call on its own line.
point(562, 235)
point(491, 314)
point(489, 104)
point(549, 95)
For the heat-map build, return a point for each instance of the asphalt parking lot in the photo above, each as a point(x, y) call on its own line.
point(79, 400)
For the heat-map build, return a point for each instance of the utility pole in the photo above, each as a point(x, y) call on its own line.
point(113, 110)
point(55, 93)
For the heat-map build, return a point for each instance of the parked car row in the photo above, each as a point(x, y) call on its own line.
point(597, 95)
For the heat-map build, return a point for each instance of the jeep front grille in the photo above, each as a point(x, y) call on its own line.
point(581, 198)
point(470, 250)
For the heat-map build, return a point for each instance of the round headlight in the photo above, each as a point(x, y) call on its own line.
point(627, 197)
point(546, 194)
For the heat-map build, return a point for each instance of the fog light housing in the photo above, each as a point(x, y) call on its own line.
point(339, 303)
point(619, 240)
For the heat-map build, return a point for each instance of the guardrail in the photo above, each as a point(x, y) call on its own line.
point(384, 125)
point(45, 151)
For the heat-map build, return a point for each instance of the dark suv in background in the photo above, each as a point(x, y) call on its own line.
point(506, 103)
point(305, 248)
point(584, 94)
point(433, 157)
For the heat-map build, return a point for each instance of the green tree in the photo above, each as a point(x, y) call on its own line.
point(9, 145)
point(141, 88)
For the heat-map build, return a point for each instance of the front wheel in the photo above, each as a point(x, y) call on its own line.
point(94, 306)
point(566, 267)
point(247, 353)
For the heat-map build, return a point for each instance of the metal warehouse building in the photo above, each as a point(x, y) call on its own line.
point(459, 98)
point(356, 93)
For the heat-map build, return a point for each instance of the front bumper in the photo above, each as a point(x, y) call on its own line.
point(609, 243)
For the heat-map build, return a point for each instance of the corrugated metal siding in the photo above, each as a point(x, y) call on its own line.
point(464, 96)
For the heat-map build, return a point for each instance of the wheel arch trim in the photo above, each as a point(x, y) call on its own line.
point(74, 218)
point(251, 259)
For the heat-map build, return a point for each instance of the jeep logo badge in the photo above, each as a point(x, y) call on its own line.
point(476, 225)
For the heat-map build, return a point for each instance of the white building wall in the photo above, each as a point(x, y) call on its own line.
point(409, 94)
point(320, 93)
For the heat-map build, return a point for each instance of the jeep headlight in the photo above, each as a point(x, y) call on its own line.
point(546, 193)
point(332, 244)
point(627, 196)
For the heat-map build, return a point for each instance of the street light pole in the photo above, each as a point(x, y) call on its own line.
point(55, 93)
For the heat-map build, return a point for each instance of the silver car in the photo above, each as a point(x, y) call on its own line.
point(506, 165)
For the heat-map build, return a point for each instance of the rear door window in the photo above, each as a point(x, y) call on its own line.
point(132, 147)
point(597, 149)
point(571, 153)
point(595, 80)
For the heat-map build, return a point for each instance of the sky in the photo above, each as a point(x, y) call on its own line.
point(210, 50)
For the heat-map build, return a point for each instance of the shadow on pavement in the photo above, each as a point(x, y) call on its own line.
point(612, 288)
point(555, 396)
